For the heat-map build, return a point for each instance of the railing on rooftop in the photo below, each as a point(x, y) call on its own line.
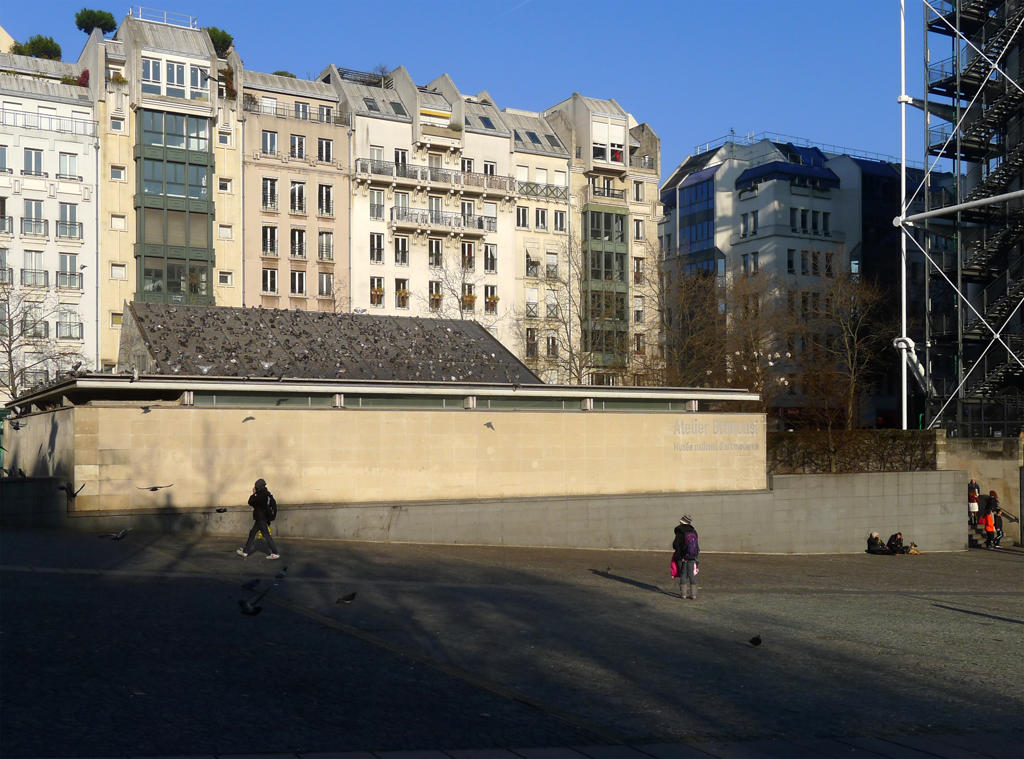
point(284, 112)
point(545, 191)
point(426, 217)
point(164, 17)
point(751, 138)
point(62, 124)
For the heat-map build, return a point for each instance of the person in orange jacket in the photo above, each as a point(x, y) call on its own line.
point(988, 520)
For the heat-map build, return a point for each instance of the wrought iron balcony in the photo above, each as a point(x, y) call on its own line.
point(607, 192)
point(69, 230)
point(325, 209)
point(26, 120)
point(252, 105)
point(325, 253)
point(269, 250)
point(35, 278)
point(270, 203)
point(34, 173)
point(532, 268)
point(69, 330)
point(532, 310)
point(425, 218)
point(298, 205)
point(7, 225)
point(551, 271)
point(69, 280)
point(298, 250)
point(542, 191)
point(468, 181)
point(35, 227)
point(643, 162)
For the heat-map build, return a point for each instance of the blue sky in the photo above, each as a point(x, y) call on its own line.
point(823, 70)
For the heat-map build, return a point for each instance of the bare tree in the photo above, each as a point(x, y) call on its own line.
point(460, 294)
point(31, 350)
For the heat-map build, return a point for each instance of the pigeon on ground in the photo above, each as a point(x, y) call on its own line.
point(221, 510)
point(250, 607)
point(280, 575)
point(154, 488)
point(489, 425)
point(249, 419)
point(755, 641)
point(146, 409)
point(251, 584)
point(347, 599)
point(117, 535)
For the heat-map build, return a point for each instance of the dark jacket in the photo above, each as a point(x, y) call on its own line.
point(258, 501)
point(895, 543)
point(875, 545)
point(679, 542)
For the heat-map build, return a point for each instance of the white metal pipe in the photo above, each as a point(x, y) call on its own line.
point(903, 210)
point(947, 210)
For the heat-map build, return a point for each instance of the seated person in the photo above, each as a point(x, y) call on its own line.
point(876, 546)
point(895, 544)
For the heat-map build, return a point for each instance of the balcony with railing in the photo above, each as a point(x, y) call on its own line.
point(35, 329)
point(298, 249)
point(413, 174)
point(69, 330)
point(646, 162)
point(35, 278)
point(69, 280)
point(7, 225)
point(532, 310)
point(542, 191)
point(69, 230)
point(325, 209)
point(551, 271)
point(402, 216)
point(532, 268)
point(251, 105)
point(607, 192)
point(35, 227)
point(325, 252)
point(269, 249)
point(270, 202)
point(10, 117)
point(35, 173)
point(298, 205)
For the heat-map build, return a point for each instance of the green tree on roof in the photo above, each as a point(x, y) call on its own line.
point(88, 19)
point(221, 40)
point(38, 46)
point(288, 74)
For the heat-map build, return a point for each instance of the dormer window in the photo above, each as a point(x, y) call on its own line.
point(534, 138)
point(398, 108)
point(488, 124)
point(371, 105)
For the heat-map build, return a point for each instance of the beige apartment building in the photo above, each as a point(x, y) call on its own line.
point(614, 195)
point(170, 221)
point(296, 191)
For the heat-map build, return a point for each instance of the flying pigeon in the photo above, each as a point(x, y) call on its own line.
point(347, 599)
point(755, 641)
point(249, 419)
point(489, 425)
point(154, 488)
point(146, 409)
point(15, 425)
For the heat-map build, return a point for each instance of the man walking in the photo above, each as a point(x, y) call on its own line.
point(264, 509)
point(686, 549)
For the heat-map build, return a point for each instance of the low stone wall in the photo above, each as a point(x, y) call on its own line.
point(799, 514)
point(996, 463)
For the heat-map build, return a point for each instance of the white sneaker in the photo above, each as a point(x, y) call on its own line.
point(274, 556)
point(241, 552)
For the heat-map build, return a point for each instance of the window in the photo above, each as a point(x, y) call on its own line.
point(67, 166)
point(791, 261)
point(401, 293)
point(815, 264)
point(541, 217)
point(33, 162)
point(638, 229)
point(490, 167)
point(559, 221)
point(826, 223)
point(467, 165)
point(638, 343)
point(638, 309)
point(224, 138)
point(814, 221)
point(468, 256)
point(371, 105)
point(226, 279)
point(297, 146)
point(551, 346)
point(302, 111)
point(115, 319)
point(269, 194)
point(325, 284)
point(298, 242)
point(551, 309)
point(434, 294)
point(198, 177)
point(638, 271)
point(175, 79)
point(434, 253)
point(298, 197)
point(325, 246)
point(269, 143)
point(532, 306)
point(490, 258)
point(805, 263)
point(792, 219)
point(638, 191)
point(298, 282)
point(325, 200)
point(324, 150)
point(118, 271)
point(377, 291)
point(551, 266)
point(118, 222)
point(487, 123)
point(490, 299)
point(522, 217)
point(376, 204)
point(268, 106)
point(803, 220)
point(377, 248)
point(270, 280)
point(224, 231)
point(117, 125)
point(753, 222)
point(269, 241)
point(198, 134)
point(743, 225)
point(325, 114)
point(468, 210)
point(468, 297)
point(151, 76)
point(531, 342)
point(828, 265)
point(401, 251)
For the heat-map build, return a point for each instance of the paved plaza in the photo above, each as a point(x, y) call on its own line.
point(138, 648)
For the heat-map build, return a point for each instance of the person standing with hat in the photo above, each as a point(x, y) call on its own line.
point(264, 509)
point(686, 549)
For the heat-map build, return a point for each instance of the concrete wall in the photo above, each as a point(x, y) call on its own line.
point(995, 463)
point(211, 456)
point(802, 514)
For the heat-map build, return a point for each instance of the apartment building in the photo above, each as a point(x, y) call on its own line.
point(614, 168)
point(296, 189)
point(48, 208)
point(170, 203)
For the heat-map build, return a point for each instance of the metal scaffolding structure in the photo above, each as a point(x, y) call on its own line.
point(972, 368)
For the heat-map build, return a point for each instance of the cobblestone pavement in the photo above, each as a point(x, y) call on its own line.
point(138, 648)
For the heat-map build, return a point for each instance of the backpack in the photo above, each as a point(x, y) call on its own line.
point(271, 508)
point(690, 546)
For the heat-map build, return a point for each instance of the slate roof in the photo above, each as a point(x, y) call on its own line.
point(520, 123)
point(167, 37)
point(45, 89)
point(289, 85)
point(355, 93)
point(257, 342)
point(29, 65)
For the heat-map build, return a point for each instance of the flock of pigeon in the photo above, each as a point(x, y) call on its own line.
point(269, 343)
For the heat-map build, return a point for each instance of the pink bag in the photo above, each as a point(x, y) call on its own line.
point(673, 568)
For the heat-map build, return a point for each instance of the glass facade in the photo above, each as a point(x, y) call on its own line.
point(174, 209)
point(606, 289)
